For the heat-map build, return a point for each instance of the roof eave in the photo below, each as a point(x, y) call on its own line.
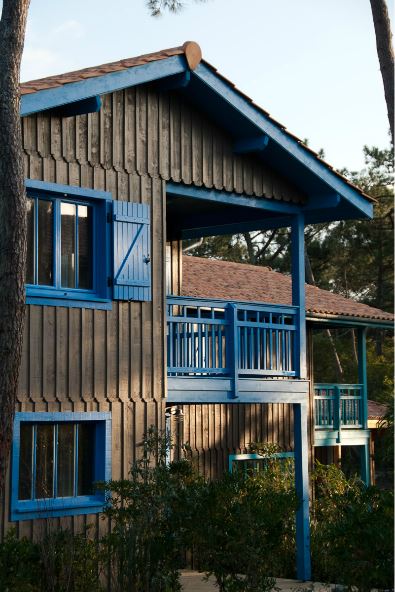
point(355, 321)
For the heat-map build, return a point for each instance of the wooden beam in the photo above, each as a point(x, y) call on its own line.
point(303, 561)
point(174, 82)
point(248, 145)
point(298, 292)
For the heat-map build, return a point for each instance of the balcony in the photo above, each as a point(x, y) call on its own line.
point(224, 350)
point(339, 410)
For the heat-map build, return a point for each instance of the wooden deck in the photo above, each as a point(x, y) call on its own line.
point(192, 582)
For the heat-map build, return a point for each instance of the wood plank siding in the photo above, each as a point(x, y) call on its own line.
point(77, 359)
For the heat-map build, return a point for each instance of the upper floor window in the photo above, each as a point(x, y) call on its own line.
point(68, 245)
point(84, 248)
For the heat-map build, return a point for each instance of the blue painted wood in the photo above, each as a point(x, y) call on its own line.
point(83, 107)
point(57, 507)
point(365, 464)
point(288, 143)
point(229, 198)
point(349, 437)
point(251, 145)
point(338, 407)
point(237, 332)
point(232, 228)
point(132, 251)
point(175, 82)
point(253, 456)
point(322, 201)
point(303, 561)
point(298, 293)
point(349, 322)
point(106, 83)
point(67, 190)
point(362, 373)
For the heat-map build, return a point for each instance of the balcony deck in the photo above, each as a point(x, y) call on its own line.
point(340, 413)
point(220, 351)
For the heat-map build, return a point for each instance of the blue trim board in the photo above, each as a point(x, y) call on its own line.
point(67, 190)
point(229, 198)
point(251, 145)
point(73, 505)
point(266, 126)
point(339, 321)
point(83, 107)
point(101, 84)
point(298, 293)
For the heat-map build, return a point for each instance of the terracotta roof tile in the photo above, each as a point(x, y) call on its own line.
point(211, 278)
point(376, 410)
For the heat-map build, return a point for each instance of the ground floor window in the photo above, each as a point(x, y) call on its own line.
point(57, 459)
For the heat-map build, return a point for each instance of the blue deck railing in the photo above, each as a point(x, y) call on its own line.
point(219, 338)
point(339, 406)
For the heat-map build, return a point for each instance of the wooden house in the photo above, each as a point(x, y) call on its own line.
point(121, 160)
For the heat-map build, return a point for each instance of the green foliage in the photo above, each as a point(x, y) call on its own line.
point(20, 566)
point(151, 514)
point(351, 532)
point(59, 562)
point(241, 527)
point(71, 562)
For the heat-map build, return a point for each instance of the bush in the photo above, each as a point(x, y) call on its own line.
point(352, 532)
point(240, 529)
point(151, 516)
point(60, 562)
point(20, 565)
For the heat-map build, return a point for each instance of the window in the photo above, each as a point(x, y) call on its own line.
point(84, 248)
point(56, 460)
point(68, 245)
point(254, 463)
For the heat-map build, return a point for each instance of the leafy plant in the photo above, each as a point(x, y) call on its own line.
point(352, 532)
point(20, 564)
point(151, 516)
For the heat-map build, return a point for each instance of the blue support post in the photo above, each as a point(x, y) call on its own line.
point(232, 348)
point(337, 414)
point(303, 562)
point(298, 293)
point(363, 381)
point(365, 464)
point(362, 374)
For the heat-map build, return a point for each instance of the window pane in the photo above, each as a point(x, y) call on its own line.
point(30, 241)
point(86, 435)
point(25, 462)
point(84, 247)
point(44, 461)
point(65, 467)
point(45, 244)
point(68, 218)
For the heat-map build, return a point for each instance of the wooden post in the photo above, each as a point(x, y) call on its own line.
point(303, 562)
point(298, 293)
point(232, 348)
point(363, 380)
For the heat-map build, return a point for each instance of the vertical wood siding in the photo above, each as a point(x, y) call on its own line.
point(93, 360)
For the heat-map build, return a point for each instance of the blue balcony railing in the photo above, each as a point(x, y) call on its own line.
point(339, 406)
point(219, 338)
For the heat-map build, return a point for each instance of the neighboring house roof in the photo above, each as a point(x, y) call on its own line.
point(331, 195)
point(376, 410)
point(211, 278)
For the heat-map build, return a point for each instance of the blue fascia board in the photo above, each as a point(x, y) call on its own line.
point(324, 201)
point(235, 199)
point(101, 84)
point(340, 321)
point(67, 190)
point(83, 107)
point(263, 122)
point(235, 227)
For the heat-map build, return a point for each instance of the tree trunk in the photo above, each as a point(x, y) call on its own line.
point(385, 52)
point(12, 219)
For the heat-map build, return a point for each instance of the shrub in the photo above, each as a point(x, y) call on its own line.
point(352, 532)
point(20, 565)
point(151, 517)
point(240, 529)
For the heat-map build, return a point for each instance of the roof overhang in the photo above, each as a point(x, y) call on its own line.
point(330, 196)
point(323, 320)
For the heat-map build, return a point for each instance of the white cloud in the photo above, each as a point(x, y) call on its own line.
point(70, 28)
point(38, 62)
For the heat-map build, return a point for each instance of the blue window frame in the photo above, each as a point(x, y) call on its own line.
point(69, 246)
point(253, 462)
point(56, 460)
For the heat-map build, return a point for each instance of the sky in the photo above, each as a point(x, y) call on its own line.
point(312, 64)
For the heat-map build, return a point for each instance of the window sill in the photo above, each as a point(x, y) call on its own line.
point(89, 301)
point(55, 508)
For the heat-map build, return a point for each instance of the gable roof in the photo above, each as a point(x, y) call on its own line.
point(211, 278)
point(331, 196)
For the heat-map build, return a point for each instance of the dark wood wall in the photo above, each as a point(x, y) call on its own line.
point(93, 360)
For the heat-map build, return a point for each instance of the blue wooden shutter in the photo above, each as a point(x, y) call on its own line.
point(132, 251)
